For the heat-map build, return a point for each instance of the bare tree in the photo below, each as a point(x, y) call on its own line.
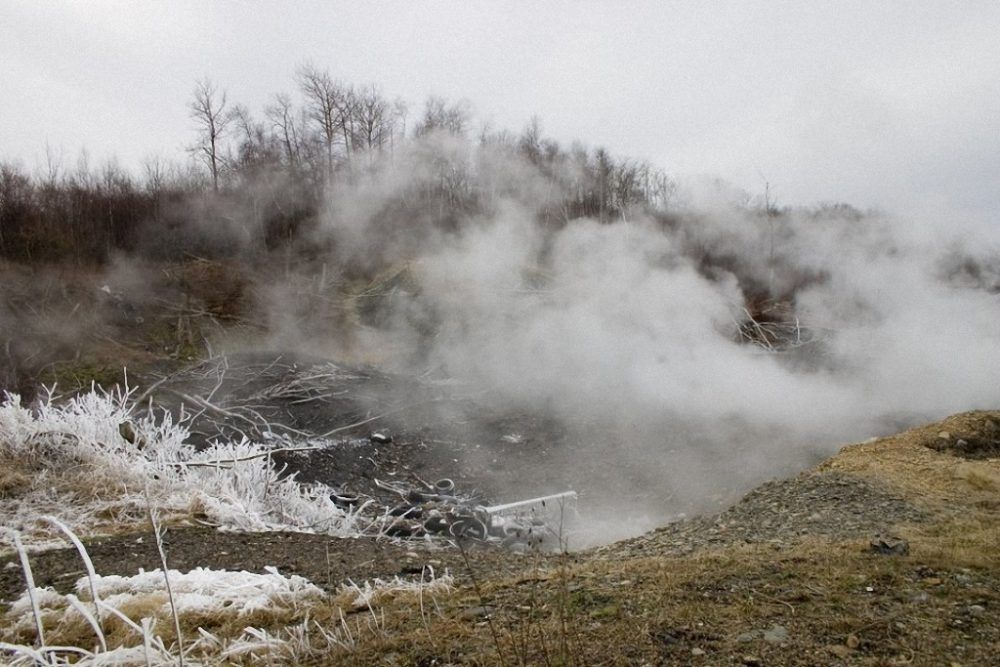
point(375, 122)
point(439, 115)
point(249, 129)
point(282, 117)
point(400, 110)
point(603, 165)
point(626, 185)
point(530, 142)
point(258, 150)
point(347, 108)
point(154, 169)
point(208, 109)
point(328, 105)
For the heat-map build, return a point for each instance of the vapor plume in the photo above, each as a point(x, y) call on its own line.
point(638, 334)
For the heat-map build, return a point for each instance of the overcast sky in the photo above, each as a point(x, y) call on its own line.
point(890, 104)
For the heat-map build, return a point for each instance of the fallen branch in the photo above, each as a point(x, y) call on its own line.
point(348, 427)
point(156, 385)
point(271, 452)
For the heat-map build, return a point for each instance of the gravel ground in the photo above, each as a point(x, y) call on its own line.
point(827, 504)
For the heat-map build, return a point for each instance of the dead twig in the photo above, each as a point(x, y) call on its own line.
point(156, 385)
point(369, 420)
point(158, 535)
point(773, 600)
point(200, 402)
point(271, 452)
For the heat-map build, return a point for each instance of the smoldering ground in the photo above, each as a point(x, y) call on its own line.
point(637, 334)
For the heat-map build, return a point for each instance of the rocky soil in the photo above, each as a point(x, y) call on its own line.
point(828, 505)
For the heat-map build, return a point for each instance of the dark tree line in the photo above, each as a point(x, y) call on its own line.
point(258, 181)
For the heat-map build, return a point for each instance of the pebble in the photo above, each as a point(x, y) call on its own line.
point(839, 650)
point(776, 634)
point(852, 641)
point(477, 612)
point(697, 651)
point(890, 546)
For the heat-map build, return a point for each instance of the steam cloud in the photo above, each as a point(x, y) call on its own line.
point(627, 332)
point(679, 353)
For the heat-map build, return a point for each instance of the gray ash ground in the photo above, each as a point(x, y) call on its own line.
point(436, 427)
point(384, 441)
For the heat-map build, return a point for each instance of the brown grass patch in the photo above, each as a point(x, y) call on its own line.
point(930, 478)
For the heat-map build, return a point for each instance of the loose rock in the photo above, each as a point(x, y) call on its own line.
point(890, 546)
point(776, 634)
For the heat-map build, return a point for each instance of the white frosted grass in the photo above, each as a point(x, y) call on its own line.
point(219, 594)
point(203, 591)
point(366, 595)
point(87, 475)
point(29, 594)
point(208, 590)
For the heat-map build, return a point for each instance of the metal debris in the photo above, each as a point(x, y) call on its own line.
point(439, 510)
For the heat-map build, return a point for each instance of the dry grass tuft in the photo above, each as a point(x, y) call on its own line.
point(931, 478)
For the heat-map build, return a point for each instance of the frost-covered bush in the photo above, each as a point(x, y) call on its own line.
point(94, 464)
